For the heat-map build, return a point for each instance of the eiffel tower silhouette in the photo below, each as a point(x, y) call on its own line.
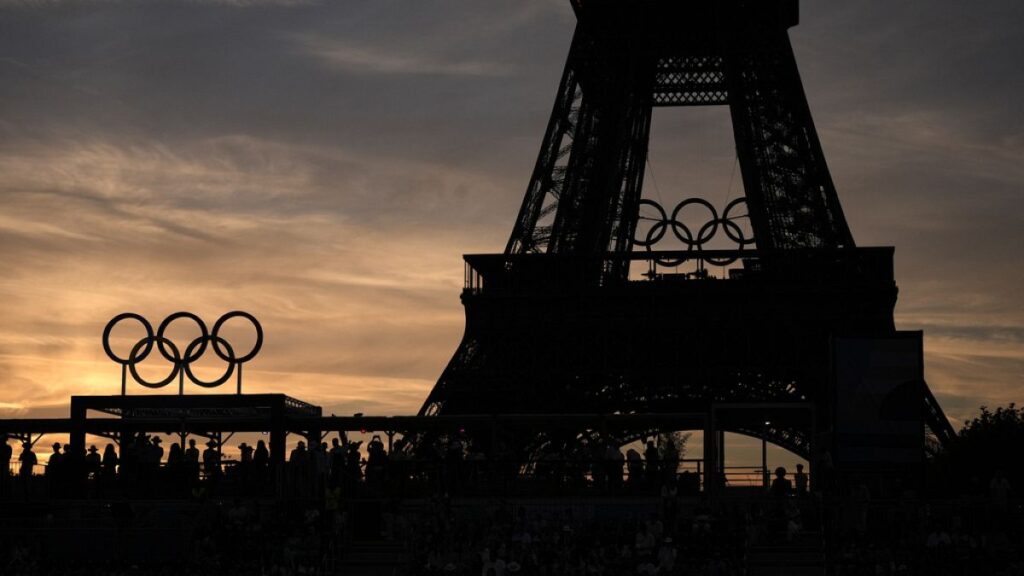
point(583, 314)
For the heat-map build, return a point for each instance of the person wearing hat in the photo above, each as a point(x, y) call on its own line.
point(211, 460)
point(244, 460)
point(245, 453)
point(92, 462)
point(156, 453)
point(54, 467)
point(28, 459)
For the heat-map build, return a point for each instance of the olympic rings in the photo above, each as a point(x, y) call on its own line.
point(181, 361)
point(175, 361)
point(169, 320)
point(726, 223)
point(110, 326)
point(230, 355)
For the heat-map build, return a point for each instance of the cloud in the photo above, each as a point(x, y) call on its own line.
point(347, 57)
point(95, 3)
point(94, 228)
point(12, 410)
point(325, 167)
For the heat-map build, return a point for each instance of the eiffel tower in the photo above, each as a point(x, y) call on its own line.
point(583, 314)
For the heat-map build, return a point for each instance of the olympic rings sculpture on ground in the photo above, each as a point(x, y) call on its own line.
point(727, 223)
point(182, 359)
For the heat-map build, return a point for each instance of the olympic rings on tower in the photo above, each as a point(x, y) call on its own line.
point(181, 358)
point(662, 222)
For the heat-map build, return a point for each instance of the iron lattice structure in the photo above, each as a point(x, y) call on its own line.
point(557, 325)
point(584, 194)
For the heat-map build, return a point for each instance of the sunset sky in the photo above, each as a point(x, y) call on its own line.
point(324, 166)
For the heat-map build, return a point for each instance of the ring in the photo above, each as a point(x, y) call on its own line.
point(181, 362)
point(725, 223)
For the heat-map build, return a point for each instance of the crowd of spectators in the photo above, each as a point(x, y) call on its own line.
point(141, 467)
point(505, 540)
point(673, 529)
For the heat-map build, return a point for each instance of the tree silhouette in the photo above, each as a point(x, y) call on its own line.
point(988, 443)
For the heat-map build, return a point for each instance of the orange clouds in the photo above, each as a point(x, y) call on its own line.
point(356, 318)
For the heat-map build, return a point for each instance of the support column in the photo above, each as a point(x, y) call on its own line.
point(316, 438)
point(720, 461)
point(764, 464)
point(278, 436)
point(813, 453)
point(710, 453)
point(78, 413)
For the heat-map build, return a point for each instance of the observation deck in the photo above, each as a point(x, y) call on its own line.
point(519, 274)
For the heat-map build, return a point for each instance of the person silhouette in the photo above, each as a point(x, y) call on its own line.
point(653, 462)
point(175, 456)
point(54, 469)
point(261, 456)
point(634, 467)
point(336, 457)
point(353, 466)
point(191, 453)
point(93, 462)
point(156, 451)
point(299, 456)
point(318, 464)
point(27, 458)
point(109, 462)
point(298, 462)
point(781, 486)
point(211, 460)
point(244, 468)
point(28, 461)
point(56, 459)
point(614, 459)
point(800, 479)
point(192, 459)
point(175, 464)
point(377, 459)
point(245, 453)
